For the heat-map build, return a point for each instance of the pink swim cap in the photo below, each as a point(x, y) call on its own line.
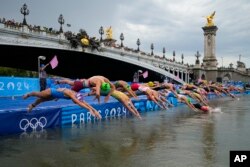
point(205, 108)
point(135, 86)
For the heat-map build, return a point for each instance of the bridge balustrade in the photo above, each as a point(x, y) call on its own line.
point(27, 37)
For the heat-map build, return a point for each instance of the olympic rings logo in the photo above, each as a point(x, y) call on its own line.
point(33, 123)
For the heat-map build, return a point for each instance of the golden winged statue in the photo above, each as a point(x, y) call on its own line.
point(109, 33)
point(210, 20)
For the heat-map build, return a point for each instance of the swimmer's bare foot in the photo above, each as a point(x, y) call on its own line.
point(25, 96)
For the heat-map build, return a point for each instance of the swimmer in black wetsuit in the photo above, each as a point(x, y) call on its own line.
point(203, 108)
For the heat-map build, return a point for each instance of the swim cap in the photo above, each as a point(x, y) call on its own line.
point(150, 84)
point(105, 87)
point(178, 91)
point(79, 96)
point(117, 84)
point(205, 108)
point(128, 87)
point(135, 86)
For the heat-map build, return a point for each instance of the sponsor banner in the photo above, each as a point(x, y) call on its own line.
point(17, 86)
point(76, 114)
point(21, 121)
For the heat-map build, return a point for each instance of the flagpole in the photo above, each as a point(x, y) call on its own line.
point(38, 71)
point(42, 58)
point(138, 73)
point(138, 76)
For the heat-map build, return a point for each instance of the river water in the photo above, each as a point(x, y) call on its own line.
point(174, 138)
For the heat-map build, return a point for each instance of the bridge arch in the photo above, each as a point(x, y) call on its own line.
point(226, 77)
point(148, 66)
point(44, 44)
point(203, 77)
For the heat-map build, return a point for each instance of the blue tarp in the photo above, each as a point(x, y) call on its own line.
point(21, 121)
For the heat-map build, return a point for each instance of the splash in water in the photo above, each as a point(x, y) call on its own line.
point(217, 110)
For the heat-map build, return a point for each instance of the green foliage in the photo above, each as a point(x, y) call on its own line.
point(6, 71)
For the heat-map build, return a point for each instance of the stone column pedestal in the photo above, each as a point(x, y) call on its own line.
point(25, 29)
point(209, 60)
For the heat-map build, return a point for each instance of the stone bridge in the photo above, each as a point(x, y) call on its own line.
point(14, 37)
point(222, 74)
point(226, 74)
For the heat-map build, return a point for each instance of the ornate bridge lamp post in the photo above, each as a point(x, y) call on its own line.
point(25, 11)
point(121, 38)
point(182, 57)
point(138, 44)
point(61, 22)
point(152, 48)
point(197, 58)
point(101, 32)
point(174, 56)
point(231, 65)
point(164, 51)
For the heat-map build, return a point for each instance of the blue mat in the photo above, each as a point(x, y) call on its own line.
point(10, 104)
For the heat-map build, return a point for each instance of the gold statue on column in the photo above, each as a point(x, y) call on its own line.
point(210, 20)
point(109, 33)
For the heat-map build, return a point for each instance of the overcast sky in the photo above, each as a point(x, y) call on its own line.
point(173, 24)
